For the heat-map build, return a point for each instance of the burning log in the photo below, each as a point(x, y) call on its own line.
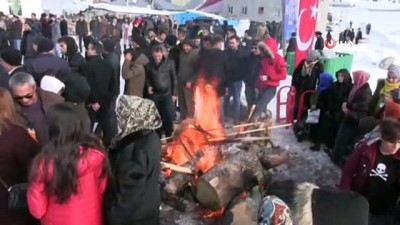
point(244, 210)
point(238, 171)
point(176, 168)
point(177, 181)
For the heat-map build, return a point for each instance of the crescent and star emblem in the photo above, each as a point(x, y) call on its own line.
point(303, 46)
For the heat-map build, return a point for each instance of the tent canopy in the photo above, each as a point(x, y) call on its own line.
point(182, 17)
point(129, 9)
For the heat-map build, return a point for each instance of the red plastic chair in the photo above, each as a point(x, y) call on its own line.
point(302, 107)
point(290, 101)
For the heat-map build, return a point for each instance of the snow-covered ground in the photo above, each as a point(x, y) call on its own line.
point(382, 42)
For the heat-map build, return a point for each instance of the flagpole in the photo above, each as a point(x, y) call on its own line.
point(283, 27)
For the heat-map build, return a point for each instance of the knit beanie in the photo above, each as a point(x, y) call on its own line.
point(108, 45)
point(51, 84)
point(45, 45)
point(392, 110)
point(394, 70)
point(11, 56)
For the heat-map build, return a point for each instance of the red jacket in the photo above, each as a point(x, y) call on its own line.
point(275, 69)
point(359, 165)
point(85, 207)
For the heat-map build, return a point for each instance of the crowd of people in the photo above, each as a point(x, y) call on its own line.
point(90, 155)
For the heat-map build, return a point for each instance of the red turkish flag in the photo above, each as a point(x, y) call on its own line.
point(306, 23)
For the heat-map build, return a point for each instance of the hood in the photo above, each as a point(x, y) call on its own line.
point(325, 82)
point(142, 60)
point(136, 114)
point(272, 44)
point(265, 49)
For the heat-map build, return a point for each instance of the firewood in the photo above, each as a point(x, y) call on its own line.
point(244, 210)
point(176, 168)
point(238, 171)
point(177, 181)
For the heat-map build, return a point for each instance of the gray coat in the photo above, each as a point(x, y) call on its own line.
point(55, 31)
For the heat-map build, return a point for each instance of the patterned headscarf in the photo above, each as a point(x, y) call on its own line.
point(136, 114)
point(274, 211)
point(360, 78)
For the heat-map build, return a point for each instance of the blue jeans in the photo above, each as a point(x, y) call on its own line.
point(263, 98)
point(234, 90)
point(16, 44)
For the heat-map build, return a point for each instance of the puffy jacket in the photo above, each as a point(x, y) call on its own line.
point(359, 165)
point(162, 78)
point(85, 207)
point(274, 68)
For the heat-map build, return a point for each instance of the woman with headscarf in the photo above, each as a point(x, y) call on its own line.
point(134, 194)
point(339, 93)
point(305, 76)
point(355, 109)
point(321, 97)
point(383, 90)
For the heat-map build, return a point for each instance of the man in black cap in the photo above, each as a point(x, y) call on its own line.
point(15, 32)
point(30, 34)
point(46, 61)
point(11, 59)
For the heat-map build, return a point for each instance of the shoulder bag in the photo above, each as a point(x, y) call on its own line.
point(17, 195)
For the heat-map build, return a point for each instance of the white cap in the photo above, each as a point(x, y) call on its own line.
point(52, 84)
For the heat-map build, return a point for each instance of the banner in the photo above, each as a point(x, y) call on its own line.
point(291, 9)
point(306, 23)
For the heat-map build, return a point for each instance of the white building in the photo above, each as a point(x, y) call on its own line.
point(256, 10)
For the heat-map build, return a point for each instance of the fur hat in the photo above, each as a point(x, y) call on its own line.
point(51, 84)
point(45, 45)
point(11, 56)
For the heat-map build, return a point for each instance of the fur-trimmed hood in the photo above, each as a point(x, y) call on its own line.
point(302, 204)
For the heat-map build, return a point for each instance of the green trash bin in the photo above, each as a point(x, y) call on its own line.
point(341, 61)
point(290, 62)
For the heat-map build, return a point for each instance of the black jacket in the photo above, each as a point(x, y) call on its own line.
point(94, 27)
point(254, 67)
point(75, 61)
point(27, 43)
point(3, 39)
point(15, 31)
point(236, 64)
point(338, 94)
point(100, 76)
point(133, 196)
point(292, 45)
point(212, 64)
point(77, 88)
point(304, 83)
point(162, 78)
point(46, 62)
point(4, 78)
point(64, 27)
point(81, 28)
point(319, 44)
point(114, 60)
point(373, 106)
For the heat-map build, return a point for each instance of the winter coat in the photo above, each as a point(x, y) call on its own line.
point(103, 28)
point(77, 88)
point(46, 29)
point(3, 39)
point(162, 78)
point(338, 95)
point(115, 62)
point(115, 32)
point(55, 31)
point(254, 67)
point(84, 207)
point(17, 149)
point(15, 31)
point(212, 64)
point(359, 165)
point(44, 63)
point(292, 45)
point(134, 74)
point(94, 27)
point(27, 43)
point(81, 28)
point(100, 76)
point(273, 68)
point(187, 63)
point(4, 78)
point(75, 61)
point(47, 99)
point(133, 196)
point(236, 60)
point(374, 104)
point(358, 106)
point(64, 27)
point(319, 44)
point(308, 82)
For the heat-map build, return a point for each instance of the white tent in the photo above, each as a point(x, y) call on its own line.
point(129, 9)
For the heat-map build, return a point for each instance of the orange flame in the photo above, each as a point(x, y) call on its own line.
point(190, 144)
point(213, 214)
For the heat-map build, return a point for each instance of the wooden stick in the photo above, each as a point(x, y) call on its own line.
point(251, 113)
point(243, 139)
point(176, 168)
point(280, 126)
point(245, 132)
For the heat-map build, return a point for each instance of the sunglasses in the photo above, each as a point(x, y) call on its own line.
point(28, 96)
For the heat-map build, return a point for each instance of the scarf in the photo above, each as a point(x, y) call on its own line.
point(308, 67)
point(325, 82)
point(389, 87)
point(360, 78)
